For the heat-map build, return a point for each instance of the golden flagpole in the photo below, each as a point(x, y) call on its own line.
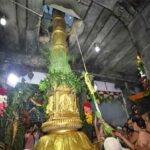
point(63, 115)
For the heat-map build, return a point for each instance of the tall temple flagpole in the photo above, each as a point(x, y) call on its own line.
point(63, 115)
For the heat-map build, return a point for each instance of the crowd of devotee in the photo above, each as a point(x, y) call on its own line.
point(134, 135)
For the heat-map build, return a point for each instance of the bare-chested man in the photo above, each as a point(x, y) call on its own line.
point(132, 135)
point(143, 139)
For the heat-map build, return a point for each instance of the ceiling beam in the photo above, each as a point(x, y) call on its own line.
point(33, 26)
point(90, 20)
point(109, 4)
point(109, 77)
point(98, 26)
point(35, 61)
point(101, 36)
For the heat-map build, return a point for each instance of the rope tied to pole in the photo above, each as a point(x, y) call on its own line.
point(107, 128)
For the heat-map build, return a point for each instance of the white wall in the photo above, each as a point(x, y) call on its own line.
point(38, 76)
point(105, 86)
point(113, 112)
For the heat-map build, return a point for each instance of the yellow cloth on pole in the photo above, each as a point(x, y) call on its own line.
point(71, 140)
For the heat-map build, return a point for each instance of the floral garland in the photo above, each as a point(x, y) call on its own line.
point(92, 91)
point(143, 80)
point(3, 101)
point(88, 112)
point(141, 72)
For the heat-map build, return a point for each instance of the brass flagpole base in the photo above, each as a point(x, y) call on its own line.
point(67, 140)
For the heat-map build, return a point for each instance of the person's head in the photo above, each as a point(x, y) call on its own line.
point(148, 116)
point(130, 123)
point(147, 120)
point(29, 130)
point(124, 128)
point(138, 123)
point(144, 116)
point(111, 143)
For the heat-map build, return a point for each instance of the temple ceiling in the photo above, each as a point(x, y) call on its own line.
point(119, 27)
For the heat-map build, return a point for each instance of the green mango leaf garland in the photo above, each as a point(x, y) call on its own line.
point(60, 73)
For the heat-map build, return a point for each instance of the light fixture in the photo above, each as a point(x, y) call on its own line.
point(12, 80)
point(3, 21)
point(97, 47)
